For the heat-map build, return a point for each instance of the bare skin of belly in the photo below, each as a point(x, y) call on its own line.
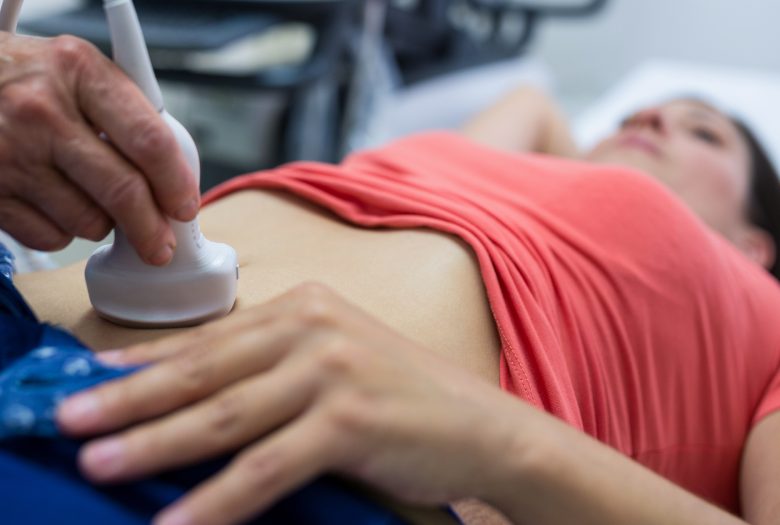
point(424, 284)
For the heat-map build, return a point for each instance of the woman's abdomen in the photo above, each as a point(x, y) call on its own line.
point(424, 284)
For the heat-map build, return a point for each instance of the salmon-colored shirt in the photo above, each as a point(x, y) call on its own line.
point(619, 311)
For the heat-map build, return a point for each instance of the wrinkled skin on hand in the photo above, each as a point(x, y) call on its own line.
point(59, 178)
point(300, 386)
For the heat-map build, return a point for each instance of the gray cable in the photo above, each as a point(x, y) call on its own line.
point(9, 15)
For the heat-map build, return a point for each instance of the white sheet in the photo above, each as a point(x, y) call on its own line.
point(449, 101)
point(751, 95)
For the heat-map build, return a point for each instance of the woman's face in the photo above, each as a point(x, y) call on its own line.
point(693, 149)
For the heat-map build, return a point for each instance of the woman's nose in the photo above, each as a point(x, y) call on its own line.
point(652, 118)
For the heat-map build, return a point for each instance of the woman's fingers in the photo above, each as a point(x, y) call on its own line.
point(216, 335)
point(305, 384)
point(306, 305)
point(210, 363)
point(259, 476)
point(226, 421)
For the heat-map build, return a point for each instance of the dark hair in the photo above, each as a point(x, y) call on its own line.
point(764, 199)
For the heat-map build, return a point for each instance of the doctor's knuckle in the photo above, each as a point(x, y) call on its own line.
point(90, 223)
point(32, 103)
point(72, 53)
point(152, 139)
point(124, 193)
point(50, 240)
point(38, 237)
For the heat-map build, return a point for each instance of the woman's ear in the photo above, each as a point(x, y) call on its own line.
point(758, 245)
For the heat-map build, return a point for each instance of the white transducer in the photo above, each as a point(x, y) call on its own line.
point(200, 282)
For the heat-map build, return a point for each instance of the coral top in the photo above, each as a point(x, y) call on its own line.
point(618, 310)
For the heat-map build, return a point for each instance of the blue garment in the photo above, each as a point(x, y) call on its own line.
point(39, 482)
point(7, 262)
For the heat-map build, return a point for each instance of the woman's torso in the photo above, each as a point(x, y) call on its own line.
point(423, 283)
point(618, 311)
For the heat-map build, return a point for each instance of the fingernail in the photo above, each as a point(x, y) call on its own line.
point(174, 516)
point(163, 256)
point(79, 410)
point(188, 211)
point(103, 458)
point(111, 357)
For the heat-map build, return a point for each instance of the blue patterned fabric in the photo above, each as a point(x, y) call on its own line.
point(39, 482)
point(39, 364)
point(33, 384)
point(7, 265)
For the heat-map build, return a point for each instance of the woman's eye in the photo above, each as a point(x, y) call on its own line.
point(707, 135)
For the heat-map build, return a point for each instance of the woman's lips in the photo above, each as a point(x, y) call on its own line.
point(636, 141)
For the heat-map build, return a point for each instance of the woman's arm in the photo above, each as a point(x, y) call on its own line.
point(559, 475)
point(307, 384)
point(524, 120)
point(760, 477)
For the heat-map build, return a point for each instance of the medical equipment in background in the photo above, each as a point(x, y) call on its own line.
point(317, 103)
point(200, 282)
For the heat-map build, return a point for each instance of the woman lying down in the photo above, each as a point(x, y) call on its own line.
point(562, 341)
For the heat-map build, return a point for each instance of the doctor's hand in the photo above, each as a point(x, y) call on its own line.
point(58, 179)
point(302, 385)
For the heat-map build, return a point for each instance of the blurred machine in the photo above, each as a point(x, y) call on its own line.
point(261, 82)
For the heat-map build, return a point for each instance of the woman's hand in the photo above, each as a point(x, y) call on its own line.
point(58, 179)
point(303, 385)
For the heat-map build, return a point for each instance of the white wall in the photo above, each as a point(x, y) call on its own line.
point(589, 55)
